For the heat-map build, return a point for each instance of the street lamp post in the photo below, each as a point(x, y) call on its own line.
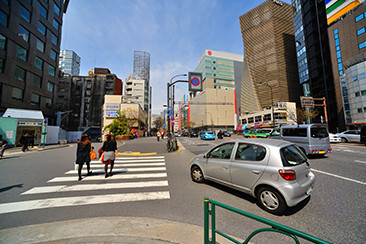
point(168, 100)
point(270, 87)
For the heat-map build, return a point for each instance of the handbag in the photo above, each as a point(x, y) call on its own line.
point(93, 155)
point(102, 158)
point(76, 166)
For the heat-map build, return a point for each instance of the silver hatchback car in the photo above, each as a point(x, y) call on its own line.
point(276, 172)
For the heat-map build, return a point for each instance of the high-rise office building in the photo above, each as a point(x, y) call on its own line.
point(69, 62)
point(347, 38)
point(270, 68)
point(313, 55)
point(30, 37)
point(141, 71)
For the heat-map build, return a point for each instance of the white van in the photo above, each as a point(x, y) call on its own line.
point(311, 138)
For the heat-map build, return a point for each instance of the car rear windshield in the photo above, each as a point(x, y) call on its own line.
point(209, 132)
point(292, 155)
point(319, 132)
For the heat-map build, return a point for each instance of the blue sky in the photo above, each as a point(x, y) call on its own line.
point(174, 32)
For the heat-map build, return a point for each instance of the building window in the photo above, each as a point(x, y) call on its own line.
point(19, 73)
point(361, 31)
point(25, 13)
point(50, 87)
point(2, 42)
point(3, 19)
point(363, 93)
point(54, 39)
point(17, 94)
point(42, 28)
point(55, 24)
point(355, 78)
point(359, 110)
point(40, 45)
point(23, 33)
point(21, 53)
point(35, 100)
point(56, 9)
point(37, 81)
point(39, 63)
point(362, 45)
point(48, 103)
point(43, 11)
point(358, 18)
point(6, 2)
point(53, 55)
point(362, 76)
point(51, 70)
point(1, 65)
point(357, 94)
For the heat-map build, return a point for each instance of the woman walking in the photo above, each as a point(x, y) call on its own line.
point(83, 154)
point(110, 153)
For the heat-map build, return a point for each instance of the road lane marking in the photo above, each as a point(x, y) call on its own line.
point(131, 161)
point(359, 161)
point(124, 170)
point(92, 187)
point(82, 200)
point(338, 176)
point(115, 177)
point(100, 165)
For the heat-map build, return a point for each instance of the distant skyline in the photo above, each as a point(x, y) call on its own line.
point(175, 33)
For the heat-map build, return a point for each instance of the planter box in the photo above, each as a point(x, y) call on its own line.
point(124, 138)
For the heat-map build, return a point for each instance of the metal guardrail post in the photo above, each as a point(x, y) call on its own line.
point(206, 220)
point(276, 227)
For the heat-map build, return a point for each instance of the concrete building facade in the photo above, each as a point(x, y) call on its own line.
point(30, 37)
point(270, 67)
point(135, 91)
point(214, 107)
point(69, 62)
point(82, 98)
point(347, 40)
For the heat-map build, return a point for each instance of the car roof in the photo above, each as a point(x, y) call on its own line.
point(266, 141)
point(302, 125)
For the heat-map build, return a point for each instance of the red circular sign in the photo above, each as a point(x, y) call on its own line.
point(195, 81)
point(209, 53)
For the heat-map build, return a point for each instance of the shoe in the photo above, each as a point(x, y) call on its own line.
point(80, 179)
point(106, 176)
point(110, 174)
point(90, 173)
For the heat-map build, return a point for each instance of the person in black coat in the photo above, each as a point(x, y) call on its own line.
point(24, 140)
point(83, 154)
point(3, 144)
point(110, 154)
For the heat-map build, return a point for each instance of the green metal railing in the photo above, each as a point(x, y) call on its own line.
point(210, 210)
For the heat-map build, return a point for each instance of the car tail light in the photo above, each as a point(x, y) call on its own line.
point(314, 151)
point(329, 150)
point(287, 174)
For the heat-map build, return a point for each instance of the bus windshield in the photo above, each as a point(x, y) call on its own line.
point(319, 132)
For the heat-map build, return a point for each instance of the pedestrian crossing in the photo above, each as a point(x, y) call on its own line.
point(139, 178)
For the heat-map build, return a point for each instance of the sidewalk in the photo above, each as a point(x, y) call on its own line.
point(18, 150)
point(121, 230)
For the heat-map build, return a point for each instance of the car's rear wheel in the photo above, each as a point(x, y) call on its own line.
point(271, 200)
point(197, 174)
point(344, 140)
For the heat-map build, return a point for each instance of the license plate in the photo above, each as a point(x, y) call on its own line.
point(309, 190)
point(321, 152)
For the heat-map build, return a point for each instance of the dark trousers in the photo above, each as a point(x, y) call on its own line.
point(106, 166)
point(81, 167)
point(25, 147)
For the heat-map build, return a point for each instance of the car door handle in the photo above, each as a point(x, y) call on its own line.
point(225, 168)
point(256, 172)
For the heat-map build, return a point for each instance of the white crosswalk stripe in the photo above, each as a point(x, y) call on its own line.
point(136, 173)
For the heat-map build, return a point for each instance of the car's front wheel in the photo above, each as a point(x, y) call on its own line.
point(197, 174)
point(343, 140)
point(271, 200)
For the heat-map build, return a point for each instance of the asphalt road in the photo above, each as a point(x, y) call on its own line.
point(334, 213)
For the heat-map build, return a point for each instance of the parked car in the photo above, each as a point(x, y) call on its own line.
point(193, 134)
point(350, 136)
point(185, 134)
point(258, 133)
point(363, 135)
point(275, 172)
point(207, 135)
point(334, 138)
point(226, 134)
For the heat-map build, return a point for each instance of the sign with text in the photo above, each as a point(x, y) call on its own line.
point(112, 106)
